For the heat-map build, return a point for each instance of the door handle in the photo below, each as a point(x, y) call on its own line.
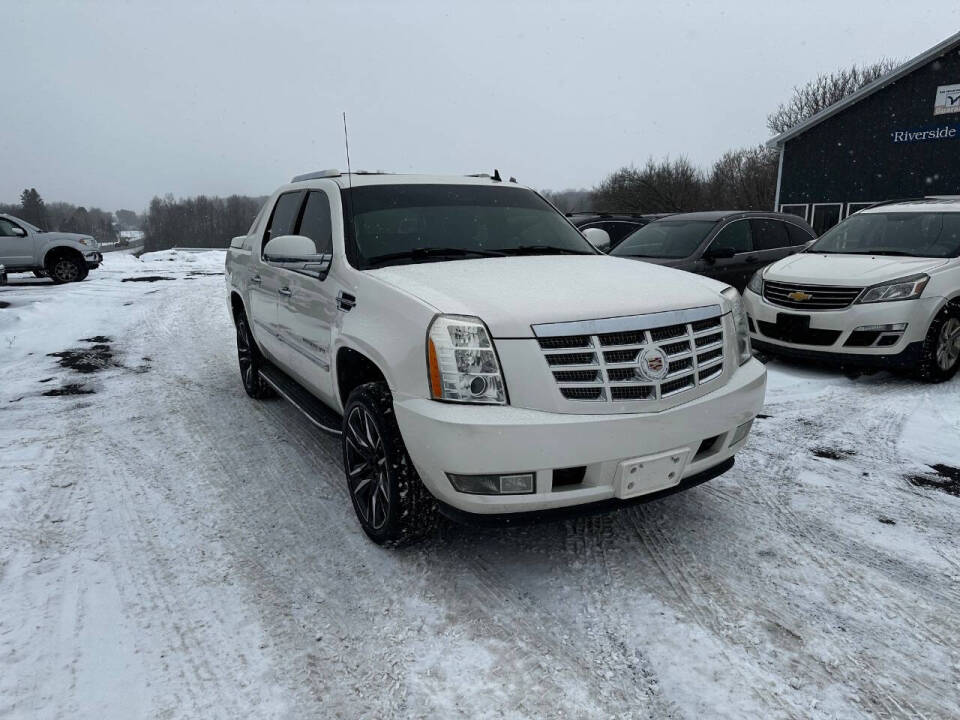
point(256, 279)
point(285, 291)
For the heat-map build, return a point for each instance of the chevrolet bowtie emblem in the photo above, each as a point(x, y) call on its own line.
point(799, 295)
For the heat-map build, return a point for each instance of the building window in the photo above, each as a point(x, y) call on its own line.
point(856, 207)
point(825, 216)
point(799, 210)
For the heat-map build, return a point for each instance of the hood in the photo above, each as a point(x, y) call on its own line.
point(848, 270)
point(511, 294)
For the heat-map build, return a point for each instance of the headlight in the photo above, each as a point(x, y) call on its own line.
point(740, 322)
point(906, 288)
point(756, 282)
point(462, 363)
point(82, 241)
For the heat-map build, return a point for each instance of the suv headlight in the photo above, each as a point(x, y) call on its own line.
point(906, 288)
point(740, 322)
point(756, 282)
point(462, 363)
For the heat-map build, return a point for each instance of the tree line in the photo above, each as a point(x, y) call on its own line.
point(63, 216)
point(741, 179)
point(199, 221)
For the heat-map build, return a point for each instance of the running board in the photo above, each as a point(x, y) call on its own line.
point(301, 398)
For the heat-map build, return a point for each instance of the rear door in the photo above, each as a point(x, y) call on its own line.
point(15, 251)
point(266, 280)
point(736, 271)
point(307, 307)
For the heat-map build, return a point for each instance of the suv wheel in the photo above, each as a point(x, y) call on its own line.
point(391, 502)
point(940, 356)
point(250, 360)
point(65, 269)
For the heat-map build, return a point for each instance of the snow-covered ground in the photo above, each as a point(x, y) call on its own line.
point(171, 549)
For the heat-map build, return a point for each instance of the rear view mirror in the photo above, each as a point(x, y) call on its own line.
point(18, 231)
point(600, 239)
point(237, 242)
point(719, 253)
point(299, 254)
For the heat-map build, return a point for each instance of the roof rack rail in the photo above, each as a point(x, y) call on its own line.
point(316, 175)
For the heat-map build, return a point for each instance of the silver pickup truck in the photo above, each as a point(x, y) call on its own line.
point(64, 257)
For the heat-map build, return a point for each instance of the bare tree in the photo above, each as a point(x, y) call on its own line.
point(744, 179)
point(569, 201)
point(818, 94)
point(664, 186)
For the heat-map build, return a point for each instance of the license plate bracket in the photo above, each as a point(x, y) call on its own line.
point(650, 473)
point(790, 325)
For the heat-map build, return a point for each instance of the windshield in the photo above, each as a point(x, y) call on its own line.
point(916, 234)
point(665, 239)
point(401, 224)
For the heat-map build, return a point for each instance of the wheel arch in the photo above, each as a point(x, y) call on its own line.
point(353, 367)
point(61, 251)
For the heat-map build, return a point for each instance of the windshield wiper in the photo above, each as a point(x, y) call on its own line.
point(541, 250)
point(431, 253)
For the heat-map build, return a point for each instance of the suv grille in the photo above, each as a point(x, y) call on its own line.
point(606, 367)
point(821, 297)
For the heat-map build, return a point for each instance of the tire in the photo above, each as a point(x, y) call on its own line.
point(940, 354)
point(66, 269)
point(391, 502)
point(83, 275)
point(250, 360)
point(40, 273)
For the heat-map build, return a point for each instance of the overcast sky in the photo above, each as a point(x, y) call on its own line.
point(109, 104)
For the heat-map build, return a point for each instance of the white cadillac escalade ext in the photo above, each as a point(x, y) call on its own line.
point(478, 356)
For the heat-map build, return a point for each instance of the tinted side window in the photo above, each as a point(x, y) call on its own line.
point(769, 234)
point(798, 236)
point(736, 235)
point(315, 223)
point(284, 216)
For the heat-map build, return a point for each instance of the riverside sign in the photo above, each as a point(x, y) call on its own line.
point(941, 132)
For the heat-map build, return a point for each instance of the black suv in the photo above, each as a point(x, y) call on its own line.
point(726, 245)
point(616, 225)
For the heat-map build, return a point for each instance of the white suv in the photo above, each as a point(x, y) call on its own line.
point(479, 356)
point(881, 288)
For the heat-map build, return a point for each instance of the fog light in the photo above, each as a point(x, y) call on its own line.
point(741, 432)
point(512, 484)
point(899, 327)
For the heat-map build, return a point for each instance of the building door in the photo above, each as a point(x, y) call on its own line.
point(825, 216)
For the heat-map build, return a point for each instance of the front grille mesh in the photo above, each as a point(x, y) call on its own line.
point(606, 367)
point(810, 297)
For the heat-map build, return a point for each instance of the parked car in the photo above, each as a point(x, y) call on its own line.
point(63, 257)
point(725, 245)
point(882, 288)
point(617, 226)
point(461, 337)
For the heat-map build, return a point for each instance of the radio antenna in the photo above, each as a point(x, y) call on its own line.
point(346, 143)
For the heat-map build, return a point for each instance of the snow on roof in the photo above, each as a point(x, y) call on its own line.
point(891, 77)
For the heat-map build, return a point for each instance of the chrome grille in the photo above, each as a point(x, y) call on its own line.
point(605, 367)
point(822, 297)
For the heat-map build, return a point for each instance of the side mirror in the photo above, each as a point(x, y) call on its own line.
point(18, 231)
point(600, 239)
point(237, 242)
point(719, 253)
point(299, 254)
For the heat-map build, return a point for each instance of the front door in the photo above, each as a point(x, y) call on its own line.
point(307, 308)
point(736, 270)
point(16, 251)
point(266, 281)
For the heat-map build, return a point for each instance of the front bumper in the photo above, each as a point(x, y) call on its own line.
point(916, 314)
point(473, 439)
point(93, 259)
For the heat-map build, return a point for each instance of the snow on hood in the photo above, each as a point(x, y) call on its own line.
point(511, 294)
point(852, 270)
